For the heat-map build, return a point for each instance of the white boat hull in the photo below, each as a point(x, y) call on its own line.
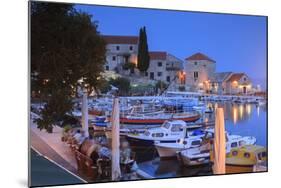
point(167, 151)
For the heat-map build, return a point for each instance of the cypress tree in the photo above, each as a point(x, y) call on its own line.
point(143, 54)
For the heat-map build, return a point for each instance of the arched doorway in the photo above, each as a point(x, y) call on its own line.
point(244, 89)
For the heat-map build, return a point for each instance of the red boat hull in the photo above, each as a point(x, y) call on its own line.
point(157, 121)
point(95, 112)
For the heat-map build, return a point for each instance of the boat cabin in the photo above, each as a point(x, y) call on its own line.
point(247, 155)
point(169, 128)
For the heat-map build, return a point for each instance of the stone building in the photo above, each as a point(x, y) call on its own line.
point(199, 69)
point(120, 50)
point(164, 67)
point(238, 83)
point(218, 82)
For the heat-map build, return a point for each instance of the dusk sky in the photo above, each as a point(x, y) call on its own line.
point(237, 43)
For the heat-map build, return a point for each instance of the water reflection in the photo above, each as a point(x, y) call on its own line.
point(235, 116)
point(243, 119)
point(236, 112)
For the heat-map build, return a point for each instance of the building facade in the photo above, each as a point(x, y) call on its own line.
point(197, 73)
point(238, 83)
point(218, 82)
point(120, 50)
point(164, 67)
point(199, 69)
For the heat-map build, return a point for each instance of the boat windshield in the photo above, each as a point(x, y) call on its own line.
point(166, 125)
point(176, 128)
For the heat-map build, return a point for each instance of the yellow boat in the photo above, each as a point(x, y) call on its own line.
point(245, 158)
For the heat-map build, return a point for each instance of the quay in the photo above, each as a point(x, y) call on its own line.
point(50, 149)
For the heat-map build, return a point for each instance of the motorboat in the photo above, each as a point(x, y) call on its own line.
point(168, 132)
point(201, 155)
point(192, 139)
point(246, 159)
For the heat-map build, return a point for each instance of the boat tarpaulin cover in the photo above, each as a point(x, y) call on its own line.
point(219, 143)
point(116, 172)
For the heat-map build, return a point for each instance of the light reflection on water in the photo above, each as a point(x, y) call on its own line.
point(244, 119)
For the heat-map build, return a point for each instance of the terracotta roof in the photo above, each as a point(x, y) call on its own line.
point(157, 55)
point(199, 56)
point(114, 39)
point(235, 77)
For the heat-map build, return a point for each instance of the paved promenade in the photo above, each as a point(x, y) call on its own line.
point(51, 147)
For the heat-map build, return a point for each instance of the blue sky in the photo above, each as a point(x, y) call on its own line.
point(237, 43)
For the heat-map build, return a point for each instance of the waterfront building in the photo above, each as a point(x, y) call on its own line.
point(199, 69)
point(238, 83)
point(163, 67)
point(197, 73)
point(120, 50)
point(218, 82)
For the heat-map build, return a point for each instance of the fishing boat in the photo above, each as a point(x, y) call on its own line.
point(159, 118)
point(198, 138)
point(201, 155)
point(194, 156)
point(245, 159)
point(193, 139)
point(168, 132)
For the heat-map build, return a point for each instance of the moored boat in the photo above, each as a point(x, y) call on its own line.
point(203, 154)
point(169, 132)
point(159, 118)
point(192, 139)
point(245, 159)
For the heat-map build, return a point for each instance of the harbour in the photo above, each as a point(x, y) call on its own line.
point(123, 104)
point(244, 119)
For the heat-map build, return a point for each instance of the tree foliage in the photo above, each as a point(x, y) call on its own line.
point(123, 85)
point(65, 48)
point(143, 52)
point(162, 86)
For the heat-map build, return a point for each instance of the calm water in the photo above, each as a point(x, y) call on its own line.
point(241, 119)
point(244, 120)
